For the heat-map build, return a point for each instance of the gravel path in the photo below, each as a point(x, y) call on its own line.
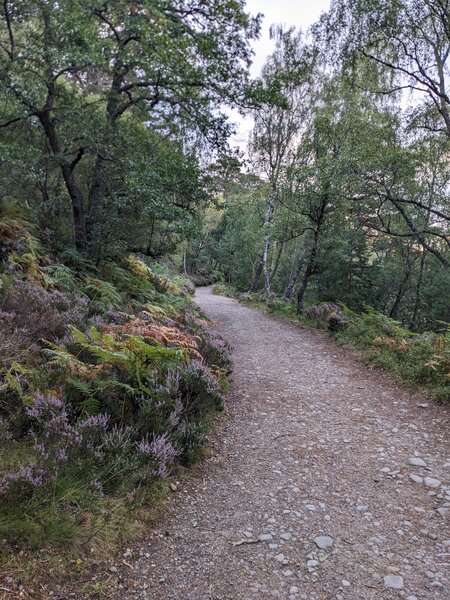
point(328, 481)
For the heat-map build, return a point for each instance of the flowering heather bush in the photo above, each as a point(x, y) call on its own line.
point(215, 350)
point(57, 442)
point(160, 450)
point(36, 314)
point(128, 377)
point(200, 389)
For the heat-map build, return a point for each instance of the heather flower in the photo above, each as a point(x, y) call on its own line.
point(161, 450)
point(97, 485)
point(58, 441)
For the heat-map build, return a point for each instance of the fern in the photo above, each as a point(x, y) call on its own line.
point(60, 277)
point(103, 295)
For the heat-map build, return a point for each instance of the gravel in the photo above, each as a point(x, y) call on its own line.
point(302, 414)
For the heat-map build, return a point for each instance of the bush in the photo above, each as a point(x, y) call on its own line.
point(419, 358)
point(31, 313)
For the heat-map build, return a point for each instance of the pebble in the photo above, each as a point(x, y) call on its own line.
point(323, 541)
point(286, 536)
point(416, 462)
point(265, 537)
point(113, 569)
point(346, 583)
point(432, 482)
point(443, 511)
point(416, 478)
point(394, 582)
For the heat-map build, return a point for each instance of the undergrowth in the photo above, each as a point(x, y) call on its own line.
point(109, 381)
point(418, 359)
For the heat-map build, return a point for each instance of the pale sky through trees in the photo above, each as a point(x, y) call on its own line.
point(301, 14)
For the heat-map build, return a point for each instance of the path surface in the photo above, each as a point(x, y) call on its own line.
point(316, 445)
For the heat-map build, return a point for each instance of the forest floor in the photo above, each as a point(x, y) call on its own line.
point(325, 481)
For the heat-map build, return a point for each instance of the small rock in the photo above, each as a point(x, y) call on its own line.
point(286, 536)
point(362, 507)
point(443, 511)
point(113, 569)
point(346, 583)
point(312, 563)
point(323, 541)
point(416, 462)
point(416, 478)
point(432, 482)
point(423, 405)
point(394, 582)
point(280, 557)
point(265, 537)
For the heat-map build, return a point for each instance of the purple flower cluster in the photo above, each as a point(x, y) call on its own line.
point(57, 441)
point(33, 313)
point(161, 450)
point(196, 371)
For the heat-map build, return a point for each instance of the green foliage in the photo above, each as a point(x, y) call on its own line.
point(103, 295)
point(417, 358)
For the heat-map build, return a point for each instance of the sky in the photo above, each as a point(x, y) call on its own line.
point(301, 14)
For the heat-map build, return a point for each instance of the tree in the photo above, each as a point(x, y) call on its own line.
point(408, 41)
point(277, 125)
point(76, 68)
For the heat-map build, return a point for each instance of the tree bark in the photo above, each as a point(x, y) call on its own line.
point(277, 261)
point(418, 292)
point(257, 275)
point(267, 230)
point(393, 313)
point(307, 275)
point(73, 189)
point(289, 291)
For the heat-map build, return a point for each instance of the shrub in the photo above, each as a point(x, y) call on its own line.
point(35, 314)
point(418, 358)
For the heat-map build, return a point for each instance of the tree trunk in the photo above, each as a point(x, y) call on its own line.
point(267, 230)
point(289, 291)
point(99, 181)
point(308, 272)
point(73, 189)
point(401, 290)
point(418, 292)
point(257, 275)
point(277, 261)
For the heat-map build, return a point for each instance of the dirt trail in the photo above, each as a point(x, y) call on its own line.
point(315, 453)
